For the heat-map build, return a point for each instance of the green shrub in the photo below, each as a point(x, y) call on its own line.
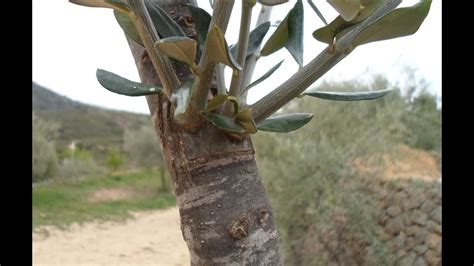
point(45, 160)
point(143, 151)
point(115, 159)
point(323, 207)
point(44, 157)
point(75, 167)
point(424, 122)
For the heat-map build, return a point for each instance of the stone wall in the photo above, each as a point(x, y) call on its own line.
point(410, 215)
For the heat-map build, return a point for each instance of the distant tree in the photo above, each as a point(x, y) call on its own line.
point(204, 128)
point(115, 159)
point(45, 159)
point(143, 150)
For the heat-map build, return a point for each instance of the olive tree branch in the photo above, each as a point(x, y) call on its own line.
point(321, 64)
point(220, 17)
point(146, 30)
point(241, 46)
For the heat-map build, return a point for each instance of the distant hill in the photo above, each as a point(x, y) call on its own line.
point(91, 127)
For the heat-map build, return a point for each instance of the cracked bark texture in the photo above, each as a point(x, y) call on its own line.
point(226, 217)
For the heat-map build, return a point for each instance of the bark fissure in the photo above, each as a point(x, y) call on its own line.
point(216, 183)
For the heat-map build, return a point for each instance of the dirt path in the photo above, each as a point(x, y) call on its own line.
point(152, 238)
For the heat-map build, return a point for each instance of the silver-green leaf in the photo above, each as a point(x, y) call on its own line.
point(327, 33)
point(289, 34)
point(164, 24)
point(218, 50)
point(284, 123)
point(255, 39)
point(398, 23)
point(126, 23)
point(348, 9)
point(117, 4)
point(225, 123)
point(180, 48)
point(272, 2)
point(263, 77)
point(348, 96)
point(201, 19)
point(316, 10)
point(120, 85)
point(295, 26)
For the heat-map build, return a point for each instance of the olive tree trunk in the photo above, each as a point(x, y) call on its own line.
point(226, 217)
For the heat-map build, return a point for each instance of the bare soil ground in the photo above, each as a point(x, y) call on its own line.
point(152, 238)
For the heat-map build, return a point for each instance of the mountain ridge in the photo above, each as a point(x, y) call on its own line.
point(91, 127)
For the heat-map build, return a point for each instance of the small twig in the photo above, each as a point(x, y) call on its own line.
point(241, 45)
point(146, 30)
point(220, 17)
point(220, 76)
point(251, 61)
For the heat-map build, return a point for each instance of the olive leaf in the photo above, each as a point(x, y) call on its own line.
point(316, 10)
point(201, 19)
point(218, 51)
point(284, 123)
point(120, 85)
point(327, 33)
point(180, 48)
point(348, 96)
point(246, 120)
point(164, 24)
point(272, 2)
point(255, 39)
point(217, 101)
point(127, 26)
point(263, 77)
point(348, 9)
point(114, 4)
point(398, 23)
point(224, 122)
point(289, 34)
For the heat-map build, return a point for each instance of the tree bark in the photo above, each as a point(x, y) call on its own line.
point(226, 217)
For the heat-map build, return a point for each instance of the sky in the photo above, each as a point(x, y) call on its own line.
point(70, 42)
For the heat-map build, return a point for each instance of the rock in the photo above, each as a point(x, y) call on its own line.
point(405, 218)
point(420, 249)
point(419, 217)
point(410, 243)
point(420, 236)
point(394, 211)
point(420, 261)
point(399, 241)
point(433, 227)
point(399, 197)
point(405, 205)
point(411, 230)
point(432, 258)
point(400, 254)
point(383, 194)
point(427, 206)
point(408, 259)
point(383, 220)
point(394, 226)
point(436, 214)
point(415, 201)
point(433, 241)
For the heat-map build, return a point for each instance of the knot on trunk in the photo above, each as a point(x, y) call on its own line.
point(239, 228)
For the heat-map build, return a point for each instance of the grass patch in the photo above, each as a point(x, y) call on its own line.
point(64, 202)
